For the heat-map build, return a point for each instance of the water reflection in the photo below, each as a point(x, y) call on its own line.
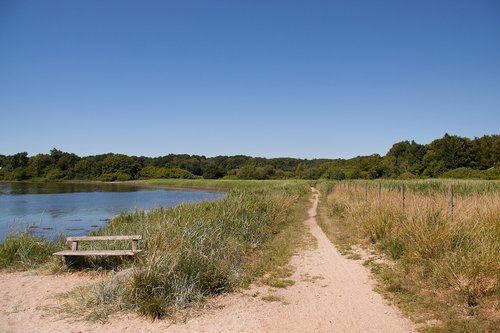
point(52, 188)
point(75, 209)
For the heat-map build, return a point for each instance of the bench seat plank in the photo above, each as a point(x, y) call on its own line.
point(70, 253)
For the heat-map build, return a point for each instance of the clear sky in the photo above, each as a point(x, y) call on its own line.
point(309, 79)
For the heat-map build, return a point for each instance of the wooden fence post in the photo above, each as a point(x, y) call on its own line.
point(366, 192)
point(450, 203)
point(379, 192)
point(402, 197)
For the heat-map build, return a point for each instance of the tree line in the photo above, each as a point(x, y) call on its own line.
point(450, 156)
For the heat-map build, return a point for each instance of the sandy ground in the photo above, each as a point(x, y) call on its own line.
point(330, 294)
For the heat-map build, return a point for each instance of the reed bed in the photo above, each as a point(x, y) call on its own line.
point(446, 266)
point(195, 250)
point(23, 250)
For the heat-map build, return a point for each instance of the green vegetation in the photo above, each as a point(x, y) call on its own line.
point(451, 157)
point(202, 249)
point(191, 251)
point(443, 269)
point(25, 251)
point(427, 186)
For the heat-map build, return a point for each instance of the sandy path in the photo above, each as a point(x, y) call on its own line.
point(330, 294)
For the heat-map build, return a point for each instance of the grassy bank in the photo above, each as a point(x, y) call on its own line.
point(443, 270)
point(195, 250)
point(22, 251)
point(225, 184)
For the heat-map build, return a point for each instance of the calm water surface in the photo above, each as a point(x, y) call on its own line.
point(77, 209)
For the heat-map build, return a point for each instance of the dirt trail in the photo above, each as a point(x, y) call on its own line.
point(330, 294)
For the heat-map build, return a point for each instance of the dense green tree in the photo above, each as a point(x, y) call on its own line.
point(285, 164)
point(162, 172)
point(235, 162)
point(404, 157)
point(252, 171)
point(38, 165)
point(149, 172)
point(194, 166)
point(88, 168)
point(56, 154)
point(314, 172)
point(120, 165)
point(3, 161)
point(477, 158)
point(299, 170)
point(334, 173)
point(67, 163)
point(354, 173)
point(213, 171)
point(448, 153)
point(19, 160)
point(487, 151)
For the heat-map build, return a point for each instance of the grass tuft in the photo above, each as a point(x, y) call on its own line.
point(22, 251)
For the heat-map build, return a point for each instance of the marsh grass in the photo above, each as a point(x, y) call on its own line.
point(23, 250)
point(95, 302)
point(444, 269)
point(196, 250)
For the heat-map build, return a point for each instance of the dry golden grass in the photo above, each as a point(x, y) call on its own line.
point(447, 269)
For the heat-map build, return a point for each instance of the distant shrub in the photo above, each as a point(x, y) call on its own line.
point(491, 174)
point(213, 172)
point(174, 173)
point(462, 173)
point(468, 173)
point(162, 172)
point(407, 175)
point(434, 169)
point(16, 174)
point(54, 174)
point(122, 177)
point(108, 177)
point(354, 174)
point(334, 173)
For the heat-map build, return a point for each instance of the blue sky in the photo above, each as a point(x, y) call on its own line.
point(309, 79)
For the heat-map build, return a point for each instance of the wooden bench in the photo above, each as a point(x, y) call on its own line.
point(73, 242)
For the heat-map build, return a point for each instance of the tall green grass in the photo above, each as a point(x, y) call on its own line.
point(194, 250)
point(429, 186)
point(21, 251)
point(449, 268)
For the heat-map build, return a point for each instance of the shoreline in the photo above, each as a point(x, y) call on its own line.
point(91, 187)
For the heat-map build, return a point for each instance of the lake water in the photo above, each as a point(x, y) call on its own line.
point(77, 209)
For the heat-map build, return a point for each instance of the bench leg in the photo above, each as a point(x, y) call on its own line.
point(65, 262)
point(68, 261)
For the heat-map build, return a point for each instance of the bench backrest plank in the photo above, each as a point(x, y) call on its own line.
point(103, 238)
point(134, 240)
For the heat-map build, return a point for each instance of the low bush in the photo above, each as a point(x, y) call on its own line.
point(469, 173)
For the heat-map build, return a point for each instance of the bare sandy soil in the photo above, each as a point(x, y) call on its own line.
point(330, 294)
